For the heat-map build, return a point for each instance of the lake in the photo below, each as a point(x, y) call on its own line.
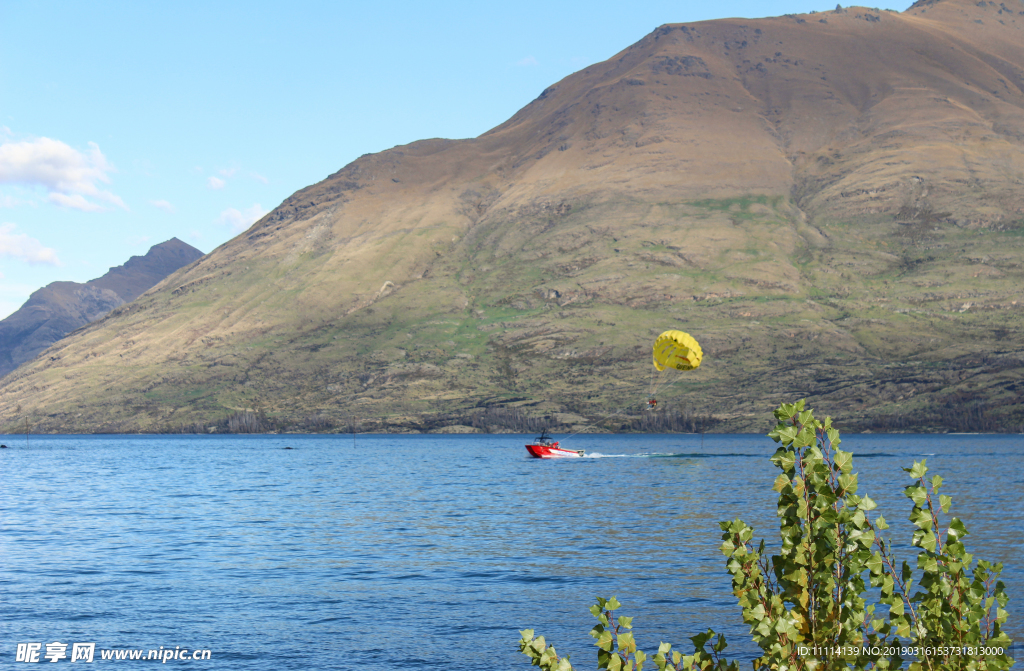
point(420, 552)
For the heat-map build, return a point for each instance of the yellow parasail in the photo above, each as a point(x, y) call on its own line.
point(675, 349)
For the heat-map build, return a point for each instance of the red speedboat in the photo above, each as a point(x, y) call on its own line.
point(544, 448)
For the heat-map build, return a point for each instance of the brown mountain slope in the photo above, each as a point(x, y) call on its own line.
point(831, 203)
point(61, 307)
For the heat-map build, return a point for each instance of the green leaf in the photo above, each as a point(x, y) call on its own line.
point(927, 563)
point(805, 437)
point(945, 502)
point(626, 642)
point(926, 539)
point(612, 604)
point(957, 530)
point(626, 622)
point(887, 585)
point(921, 518)
point(918, 470)
point(844, 461)
point(936, 483)
point(720, 644)
point(786, 410)
point(786, 461)
point(917, 494)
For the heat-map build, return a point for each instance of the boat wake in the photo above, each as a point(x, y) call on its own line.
point(661, 455)
point(639, 455)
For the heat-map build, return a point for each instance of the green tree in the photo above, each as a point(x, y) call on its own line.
point(805, 605)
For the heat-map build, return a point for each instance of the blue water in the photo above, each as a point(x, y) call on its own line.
point(418, 552)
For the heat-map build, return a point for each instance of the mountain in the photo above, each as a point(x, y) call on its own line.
point(61, 307)
point(831, 203)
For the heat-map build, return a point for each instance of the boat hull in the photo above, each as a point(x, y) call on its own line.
point(552, 451)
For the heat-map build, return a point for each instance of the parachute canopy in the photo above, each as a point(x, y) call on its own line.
point(675, 349)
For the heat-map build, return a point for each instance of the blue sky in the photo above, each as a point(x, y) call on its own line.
point(124, 124)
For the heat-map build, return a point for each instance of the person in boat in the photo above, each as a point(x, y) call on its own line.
point(544, 438)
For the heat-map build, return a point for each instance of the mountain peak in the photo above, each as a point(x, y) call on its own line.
point(139, 273)
point(61, 307)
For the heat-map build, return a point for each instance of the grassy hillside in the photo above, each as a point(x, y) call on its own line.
point(898, 329)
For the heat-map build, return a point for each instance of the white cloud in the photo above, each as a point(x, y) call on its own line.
point(137, 240)
point(228, 172)
point(528, 61)
point(195, 236)
point(163, 205)
point(74, 201)
point(215, 183)
point(259, 178)
point(71, 177)
point(238, 221)
point(7, 201)
point(21, 246)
